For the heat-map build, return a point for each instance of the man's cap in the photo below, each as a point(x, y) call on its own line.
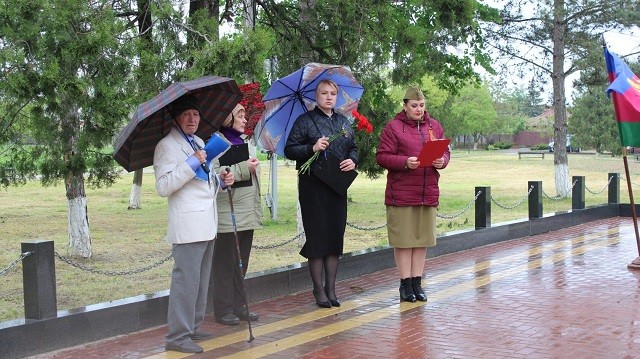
point(413, 93)
point(186, 102)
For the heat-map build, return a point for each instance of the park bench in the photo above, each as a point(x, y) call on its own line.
point(531, 153)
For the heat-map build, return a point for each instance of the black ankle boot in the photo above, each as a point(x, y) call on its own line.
point(417, 289)
point(406, 291)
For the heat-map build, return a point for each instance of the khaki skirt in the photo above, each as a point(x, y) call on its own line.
point(411, 227)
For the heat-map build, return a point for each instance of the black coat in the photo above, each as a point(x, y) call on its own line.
point(312, 125)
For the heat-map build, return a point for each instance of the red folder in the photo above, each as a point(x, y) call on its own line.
point(432, 150)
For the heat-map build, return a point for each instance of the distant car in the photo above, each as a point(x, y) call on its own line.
point(569, 147)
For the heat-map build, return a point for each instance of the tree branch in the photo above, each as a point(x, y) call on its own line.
point(521, 58)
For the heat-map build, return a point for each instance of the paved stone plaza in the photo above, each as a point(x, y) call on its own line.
point(562, 294)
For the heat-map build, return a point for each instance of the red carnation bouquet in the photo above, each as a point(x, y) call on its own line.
point(252, 102)
point(363, 123)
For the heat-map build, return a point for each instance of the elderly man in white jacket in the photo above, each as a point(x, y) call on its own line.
point(192, 223)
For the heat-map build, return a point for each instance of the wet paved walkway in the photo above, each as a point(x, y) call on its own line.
point(562, 294)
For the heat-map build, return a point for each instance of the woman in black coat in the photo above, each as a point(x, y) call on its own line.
point(324, 210)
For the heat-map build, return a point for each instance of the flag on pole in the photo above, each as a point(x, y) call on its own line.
point(625, 89)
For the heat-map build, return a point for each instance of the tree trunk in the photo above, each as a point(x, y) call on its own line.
point(250, 13)
point(309, 56)
point(145, 30)
point(213, 11)
point(560, 159)
point(79, 236)
point(136, 190)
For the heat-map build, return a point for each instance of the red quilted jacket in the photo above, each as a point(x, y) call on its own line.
point(402, 138)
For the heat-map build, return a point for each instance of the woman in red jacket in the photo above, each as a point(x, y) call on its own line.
point(412, 192)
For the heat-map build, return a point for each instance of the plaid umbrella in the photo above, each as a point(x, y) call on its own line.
point(152, 121)
point(295, 94)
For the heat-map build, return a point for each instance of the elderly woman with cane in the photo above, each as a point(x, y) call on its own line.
point(239, 214)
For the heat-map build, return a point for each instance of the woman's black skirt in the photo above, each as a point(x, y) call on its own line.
point(324, 217)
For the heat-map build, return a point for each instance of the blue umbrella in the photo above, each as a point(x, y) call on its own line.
point(294, 94)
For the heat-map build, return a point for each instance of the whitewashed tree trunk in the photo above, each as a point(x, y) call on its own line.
point(563, 187)
point(79, 236)
point(560, 159)
point(136, 190)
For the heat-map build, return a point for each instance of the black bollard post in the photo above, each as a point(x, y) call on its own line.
point(39, 280)
point(483, 207)
point(577, 193)
point(535, 199)
point(614, 188)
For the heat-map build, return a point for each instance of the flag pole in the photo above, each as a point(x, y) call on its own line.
point(635, 264)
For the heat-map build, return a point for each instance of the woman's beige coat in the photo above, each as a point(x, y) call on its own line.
point(246, 200)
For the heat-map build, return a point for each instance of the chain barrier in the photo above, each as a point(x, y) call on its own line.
point(603, 188)
point(15, 263)
point(625, 179)
point(73, 263)
point(515, 205)
point(445, 216)
point(297, 236)
point(561, 197)
point(366, 228)
point(374, 228)
point(271, 246)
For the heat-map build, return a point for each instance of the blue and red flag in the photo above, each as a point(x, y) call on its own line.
point(625, 89)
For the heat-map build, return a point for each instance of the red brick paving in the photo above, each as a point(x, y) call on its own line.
point(563, 294)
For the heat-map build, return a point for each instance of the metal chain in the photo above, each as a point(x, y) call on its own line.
point(561, 197)
point(515, 205)
point(271, 246)
point(111, 273)
point(624, 179)
point(366, 228)
point(15, 263)
point(464, 210)
point(297, 236)
point(603, 188)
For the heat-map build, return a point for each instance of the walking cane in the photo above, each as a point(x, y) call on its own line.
point(240, 267)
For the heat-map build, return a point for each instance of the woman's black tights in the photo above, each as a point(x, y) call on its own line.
point(330, 266)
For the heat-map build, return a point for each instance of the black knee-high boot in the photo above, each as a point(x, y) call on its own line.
point(406, 291)
point(417, 289)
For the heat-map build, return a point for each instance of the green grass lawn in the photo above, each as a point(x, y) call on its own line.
point(125, 240)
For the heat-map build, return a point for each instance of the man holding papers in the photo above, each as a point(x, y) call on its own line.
point(412, 192)
point(193, 222)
